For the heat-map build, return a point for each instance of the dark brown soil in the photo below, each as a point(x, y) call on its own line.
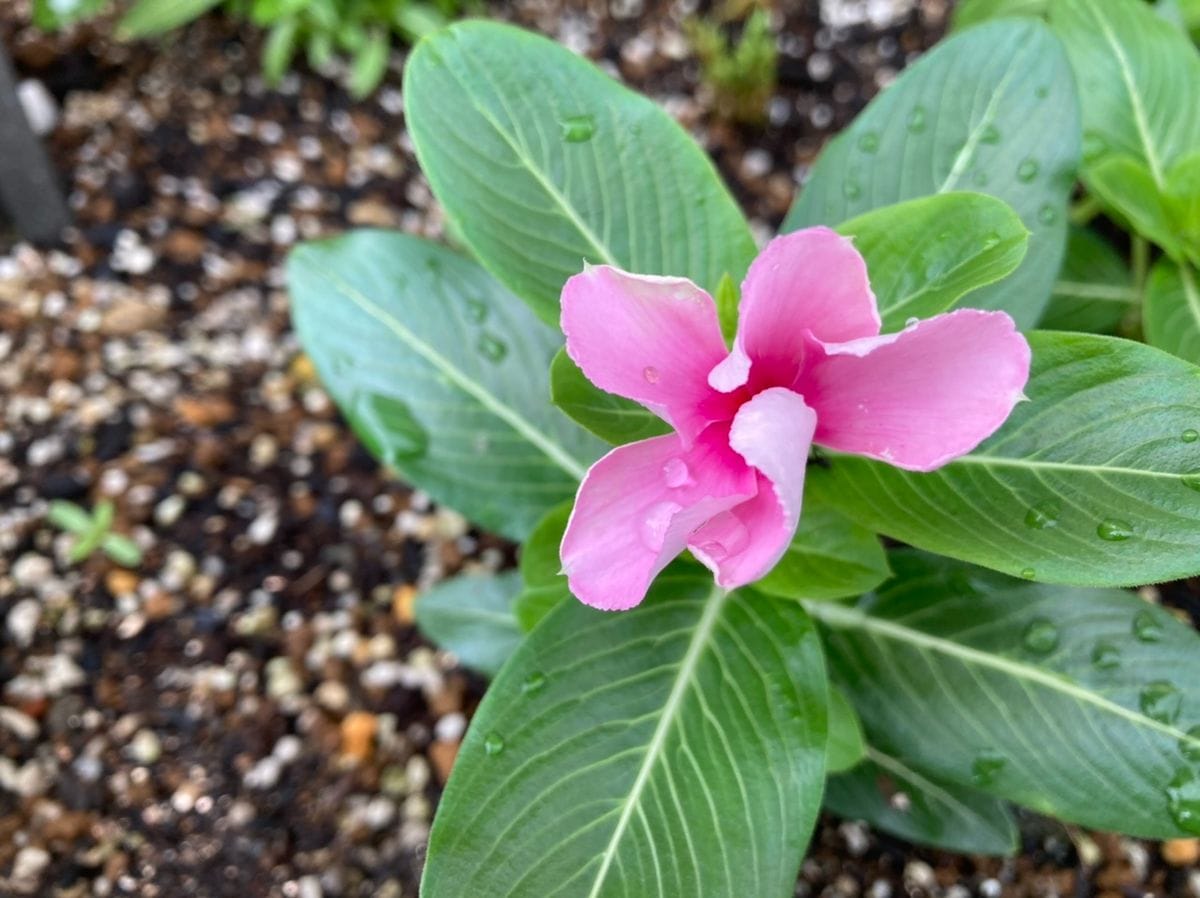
point(251, 713)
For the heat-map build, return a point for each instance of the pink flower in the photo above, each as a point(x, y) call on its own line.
point(808, 365)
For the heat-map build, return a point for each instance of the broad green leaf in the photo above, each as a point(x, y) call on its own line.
point(1094, 291)
point(416, 20)
point(893, 797)
point(472, 617)
point(544, 585)
point(1049, 697)
point(845, 747)
point(992, 109)
point(923, 255)
point(1126, 186)
point(1139, 81)
point(150, 18)
point(441, 373)
point(1183, 203)
point(830, 557)
point(1171, 315)
point(543, 163)
point(973, 12)
point(613, 418)
point(1092, 482)
point(675, 749)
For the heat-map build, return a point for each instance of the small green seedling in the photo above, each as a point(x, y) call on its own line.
point(742, 74)
point(93, 531)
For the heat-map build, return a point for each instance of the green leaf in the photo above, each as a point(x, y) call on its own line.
point(1048, 697)
point(279, 50)
point(416, 20)
point(675, 749)
point(992, 109)
point(830, 557)
point(50, 14)
point(1126, 187)
point(1183, 204)
point(1171, 315)
point(69, 516)
point(441, 373)
point(121, 549)
point(973, 12)
point(1094, 291)
point(369, 64)
point(472, 617)
point(845, 747)
point(613, 418)
point(727, 299)
point(893, 797)
point(1091, 483)
point(1139, 81)
point(543, 163)
point(544, 586)
point(923, 255)
point(150, 18)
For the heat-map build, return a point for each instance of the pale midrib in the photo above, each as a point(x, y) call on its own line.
point(1135, 100)
point(514, 420)
point(894, 766)
point(995, 461)
point(1104, 292)
point(1190, 291)
point(546, 184)
point(655, 747)
point(968, 150)
point(849, 618)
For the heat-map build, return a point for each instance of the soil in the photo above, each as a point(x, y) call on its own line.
point(250, 712)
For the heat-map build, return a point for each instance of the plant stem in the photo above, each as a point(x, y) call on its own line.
point(1084, 211)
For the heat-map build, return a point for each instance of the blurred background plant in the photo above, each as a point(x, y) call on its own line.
point(361, 31)
point(92, 531)
point(739, 68)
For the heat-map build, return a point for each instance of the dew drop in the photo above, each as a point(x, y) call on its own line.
point(1161, 701)
point(990, 136)
point(1042, 91)
point(676, 474)
point(733, 537)
point(534, 682)
point(851, 190)
point(1146, 627)
point(1114, 530)
point(578, 128)
point(1047, 215)
point(658, 520)
point(986, 768)
point(493, 348)
point(1028, 170)
point(911, 322)
point(1041, 637)
point(869, 142)
point(916, 120)
point(1044, 515)
point(1183, 800)
point(1028, 573)
point(1106, 656)
point(1189, 745)
point(1094, 146)
point(1192, 479)
point(1190, 435)
point(493, 744)
point(980, 178)
point(650, 373)
point(477, 309)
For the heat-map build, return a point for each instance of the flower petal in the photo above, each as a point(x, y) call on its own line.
point(638, 505)
point(772, 432)
point(922, 397)
point(650, 339)
point(813, 280)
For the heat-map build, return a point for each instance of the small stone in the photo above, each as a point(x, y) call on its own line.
point(21, 725)
point(145, 748)
point(309, 887)
point(358, 735)
point(22, 622)
point(1181, 852)
point(28, 867)
point(332, 696)
point(204, 411)
point(121, 582)
point(919, 874)
point(31, 570)
point(38, 104)
point(264, 775)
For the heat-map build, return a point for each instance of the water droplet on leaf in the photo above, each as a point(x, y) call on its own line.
point(676, 474)
point(1162, 701)
point(1047, 215)
point(1146, 627)
point(916, 120)
point(986, 768)
point(1044, 515)
point(493, 744)
point(534, 682)
point(1042, 91)
point(991, 135)
point(869, 142)
point(980, 178)
point(1190, 435)
point(851, 190)
point(1189, 745)
point(1106, 656)
point(1041, 637)
point(1192, 479)
point(477, 309)
point(1114, 530)
point(650, 373)
point(911, 322)
point(493, 348)
point(578, 128)
point(1094, 146)
point(1183, 800)
point(1027, 170)
point(1028, 573)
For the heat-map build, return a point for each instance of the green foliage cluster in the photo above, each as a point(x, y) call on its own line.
point(362, 31)
point(93, 531)
point(740, 72)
